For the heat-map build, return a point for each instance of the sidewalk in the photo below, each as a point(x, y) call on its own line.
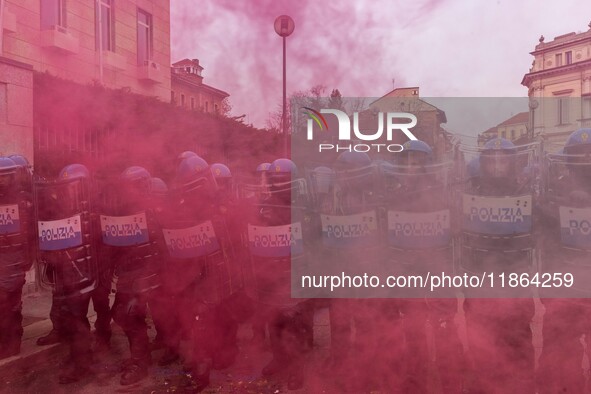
point(35, 370)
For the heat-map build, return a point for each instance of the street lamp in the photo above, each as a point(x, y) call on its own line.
point(533, 104)
point(284, 26)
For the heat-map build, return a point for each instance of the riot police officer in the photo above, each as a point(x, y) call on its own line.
point(196, 240)
point(16, 236)
point(566, 250)
point(131, 230)
point(238, 307)
point(417, 193)
point(352, 203)
point(499, 333)
point(281, 215)
point(67, 259)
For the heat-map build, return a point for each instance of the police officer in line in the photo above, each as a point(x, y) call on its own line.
point(565, 200)
point(16, 235)
point(238, 307)
point(499, 333)
point(353, 194)
point(418, 192)
point(199, 271)
point(163, 300)
point(99, 296)
point(67, 259)
point(281, 213)
point(137, 262)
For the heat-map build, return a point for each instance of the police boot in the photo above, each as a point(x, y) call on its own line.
point(280, 361)
point(295, 379)
point(170, 356)
point(73, 372)
point(134, 370)
point(200, 372)
point(53, 337)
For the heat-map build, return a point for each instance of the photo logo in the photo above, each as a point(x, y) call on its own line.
point(391, 119)
point(317, 116)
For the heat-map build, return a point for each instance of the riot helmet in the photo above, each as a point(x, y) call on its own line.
point(194, 175)
point(354, 171)
point(185, 155)
point(415, 156)
point(158, 187)
point(136, 179)
point(352, 161)
point(281, 178)
point(73, 171)
point(8, 169)
point(498, 159)
point(578, 154)
point(263, 167)
point(222, 175)
point(282, 171)
point(578, 143)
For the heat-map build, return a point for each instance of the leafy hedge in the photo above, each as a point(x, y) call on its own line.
point(133, 129)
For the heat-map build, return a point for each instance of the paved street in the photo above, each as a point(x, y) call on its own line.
point(36, 369)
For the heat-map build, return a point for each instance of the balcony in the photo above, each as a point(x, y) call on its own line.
point(114, 60)
point(60, 40)
point(9, 23)
point(151, 72)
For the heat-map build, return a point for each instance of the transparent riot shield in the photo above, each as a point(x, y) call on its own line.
point(567, 229)
point(495, 195)
point(198, 254)
point(348, 222)
point(274, 234)
point(66, 259)
point(129, 240)
point(419, 203)
point(16, 227)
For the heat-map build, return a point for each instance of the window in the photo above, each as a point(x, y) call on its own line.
point(586, 104)
point(104, 25)
point(215, 107)
point(503, 134)
point(3, 103)
point(562, 106)
point(192, 102)
point(568, 57)
point(172, 97)
point(182, 100)
point(558, 59)
point(53, 13)
point(512, 134)
point(206, 106)
point(144, 37)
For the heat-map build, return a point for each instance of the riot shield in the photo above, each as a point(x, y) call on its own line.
point(16, 227)
point(67, 257)
point(274, 235)
point(567, 208)
point(419, 205)
point(130, 240)
point(495, 195)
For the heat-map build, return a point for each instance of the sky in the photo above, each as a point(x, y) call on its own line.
point(449, 48)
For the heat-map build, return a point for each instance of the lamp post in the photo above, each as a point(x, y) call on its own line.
point(533, 104)
point(284, 26)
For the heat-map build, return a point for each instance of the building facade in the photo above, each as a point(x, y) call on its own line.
point(189, 91)
point(514, 129)
point(118, 44)
point(559, 86)
point(429, 117)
